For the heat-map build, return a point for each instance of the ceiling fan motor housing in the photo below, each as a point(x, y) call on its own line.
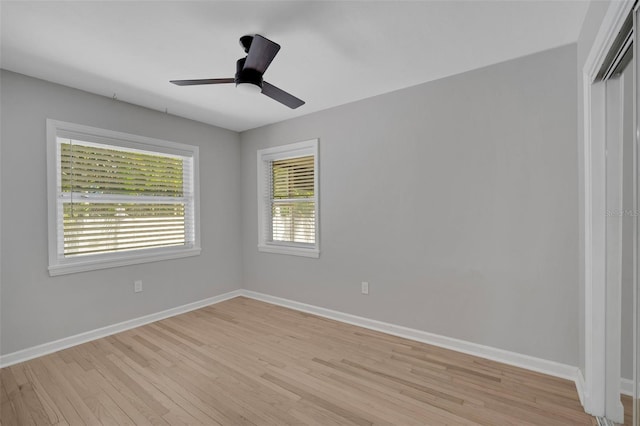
point(247, 75)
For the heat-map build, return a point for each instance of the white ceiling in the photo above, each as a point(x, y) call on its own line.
point(332, 52)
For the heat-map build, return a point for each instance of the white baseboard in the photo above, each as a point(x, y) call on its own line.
point(581, 387)
point(626, 387)
point(540, 365)
point(67, 342)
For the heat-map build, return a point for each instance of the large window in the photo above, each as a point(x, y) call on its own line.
point(117, 199)
point(288, 199)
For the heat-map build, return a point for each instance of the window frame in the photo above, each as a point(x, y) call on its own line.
point(58, 263)
point(266, 155)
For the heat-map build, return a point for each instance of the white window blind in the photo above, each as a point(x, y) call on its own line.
point(122, 203)
point(116, 199)
point(292, 200)
point(289, 199)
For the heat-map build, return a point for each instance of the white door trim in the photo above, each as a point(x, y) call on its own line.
point(595, 208)
point(614, 182)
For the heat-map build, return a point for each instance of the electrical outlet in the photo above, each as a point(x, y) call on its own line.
point(365, 287)
point(137, 286)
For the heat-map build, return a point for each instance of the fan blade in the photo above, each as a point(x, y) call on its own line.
point(203, 81)
point(281, 96)
point(261, 53)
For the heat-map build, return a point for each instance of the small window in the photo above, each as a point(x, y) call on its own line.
point(117, 199)
point(288, 199)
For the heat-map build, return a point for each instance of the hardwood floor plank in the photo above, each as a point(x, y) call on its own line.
point(122, 401)
point(52, 363)
point(8, 414)
point(55, 392)
point(31, 400)
point(173, 411)
point(15, 397)
point(245, 362)
point(128, 394)
point(312, 398)
point(53, 413)
point(310, 414)
point(225, 413)
point(411, 409)
point(627, 404)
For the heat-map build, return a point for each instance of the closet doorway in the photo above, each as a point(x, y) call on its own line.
point(612, 182)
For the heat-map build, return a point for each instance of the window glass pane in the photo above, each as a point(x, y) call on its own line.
point(90, 169)
point(292, 178)
point(293, 222)
point(91, 228)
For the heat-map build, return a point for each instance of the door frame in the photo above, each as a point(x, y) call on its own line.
point(594, 207)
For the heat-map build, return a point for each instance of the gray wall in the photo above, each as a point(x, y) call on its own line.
point(36, 308)
point(455, 199)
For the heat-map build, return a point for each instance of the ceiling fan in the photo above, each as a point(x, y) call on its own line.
point(249, 70)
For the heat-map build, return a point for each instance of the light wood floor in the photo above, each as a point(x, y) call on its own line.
point(627, 403)
point(244, 362)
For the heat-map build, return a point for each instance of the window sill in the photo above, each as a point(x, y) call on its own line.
point(79, 265)
point(293, 251)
